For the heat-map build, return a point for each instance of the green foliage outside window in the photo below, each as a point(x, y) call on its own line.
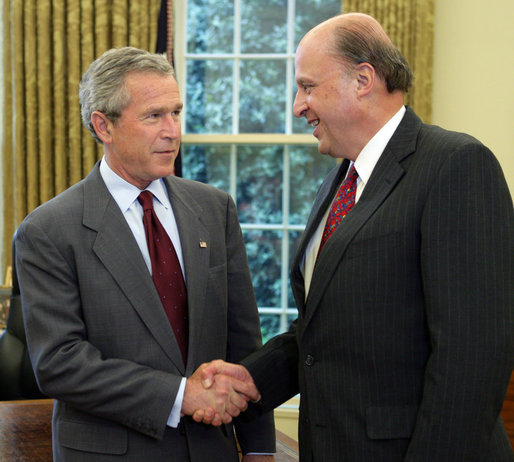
point(240, 79)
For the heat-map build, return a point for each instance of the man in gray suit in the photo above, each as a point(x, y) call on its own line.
point(99, 339)
point(404, 345)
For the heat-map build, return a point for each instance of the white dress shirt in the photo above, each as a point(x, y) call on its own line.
point(364, 164)
point(125, 195)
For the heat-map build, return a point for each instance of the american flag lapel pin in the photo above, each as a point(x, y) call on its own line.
point(203, 244)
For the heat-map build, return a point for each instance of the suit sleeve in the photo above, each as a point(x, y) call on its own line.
point(254, 434)
point(68, 366)
point(274, 369)
point(467, 273)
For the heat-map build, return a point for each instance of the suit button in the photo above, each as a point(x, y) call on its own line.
point(309, 360)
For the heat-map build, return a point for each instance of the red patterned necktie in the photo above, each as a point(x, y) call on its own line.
point(344, 201)
point(166, 272)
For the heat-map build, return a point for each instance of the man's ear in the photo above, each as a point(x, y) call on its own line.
point(365, 75)
point(102, 126)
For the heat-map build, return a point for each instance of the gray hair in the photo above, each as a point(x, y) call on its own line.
point(359, 42)
point(102, 87)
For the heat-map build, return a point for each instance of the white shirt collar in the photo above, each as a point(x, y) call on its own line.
point(368, 157)
point(125, 193)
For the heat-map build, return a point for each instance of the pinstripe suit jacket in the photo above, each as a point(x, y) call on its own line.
point(97, 334)
point(404, 347)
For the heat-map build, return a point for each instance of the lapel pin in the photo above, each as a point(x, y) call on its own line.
point(203, 244)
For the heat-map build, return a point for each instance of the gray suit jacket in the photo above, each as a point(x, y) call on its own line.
point(99, 339)
point(404, 347)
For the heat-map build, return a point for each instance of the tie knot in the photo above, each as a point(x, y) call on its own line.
point(352, 175)
point(146, 200)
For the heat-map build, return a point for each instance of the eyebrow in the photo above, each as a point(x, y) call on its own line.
point(162, 109)
point(303, 81)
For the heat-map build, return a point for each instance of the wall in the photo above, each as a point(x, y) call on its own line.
point(474, 87)
point(474, 73)
point(286, 418)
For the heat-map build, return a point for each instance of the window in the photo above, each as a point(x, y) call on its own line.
point(235, 66)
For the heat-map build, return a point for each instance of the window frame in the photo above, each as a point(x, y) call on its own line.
point(235, 139)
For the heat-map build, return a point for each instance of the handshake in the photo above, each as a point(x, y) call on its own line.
point(217, 392)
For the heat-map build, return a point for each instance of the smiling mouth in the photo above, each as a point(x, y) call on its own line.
point(315, 124)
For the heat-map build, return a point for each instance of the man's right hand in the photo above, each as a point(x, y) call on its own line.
point(218, 391)
point(218, 373)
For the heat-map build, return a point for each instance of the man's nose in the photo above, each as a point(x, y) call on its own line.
point(171, 126)
point(299, 105)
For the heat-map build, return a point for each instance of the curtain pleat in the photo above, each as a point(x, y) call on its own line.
point(59, 124)
point(30, 108)
point(134, 14)
point(410, 24)
point(9, 179)
point(19, 145)
point(48, 45)
point(81, 145)
point(46, 166)
point(121, 24)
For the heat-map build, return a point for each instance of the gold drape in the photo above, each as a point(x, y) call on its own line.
point(410, 24)
point(48, 45)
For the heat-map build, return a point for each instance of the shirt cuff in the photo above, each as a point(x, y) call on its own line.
point(174, 418)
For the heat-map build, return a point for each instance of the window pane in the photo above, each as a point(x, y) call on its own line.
point(259, 184)
point(308, 168)
point(264, 30)
point(208, 164)
point(210, 26)
point(290, 319)
point(270, 326)
point(309, 13)
point(264, 250)
point(209, 96)
point(262, 96)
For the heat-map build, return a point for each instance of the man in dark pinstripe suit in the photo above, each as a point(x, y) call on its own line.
point(404, 344)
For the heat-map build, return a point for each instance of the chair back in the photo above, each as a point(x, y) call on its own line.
point(17, 380)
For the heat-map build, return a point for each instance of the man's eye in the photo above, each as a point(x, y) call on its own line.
point(305, 88)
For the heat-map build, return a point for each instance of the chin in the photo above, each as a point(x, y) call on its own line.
point(169, 171)
point(323, 149)
point(166, 168)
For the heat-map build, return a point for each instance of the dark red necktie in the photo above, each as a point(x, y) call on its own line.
point(344, 201)
point(166, 272)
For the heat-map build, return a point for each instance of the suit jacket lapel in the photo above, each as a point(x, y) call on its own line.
point(195, 243)
point(385, 176)
point(117, 249)
point(323, 198)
